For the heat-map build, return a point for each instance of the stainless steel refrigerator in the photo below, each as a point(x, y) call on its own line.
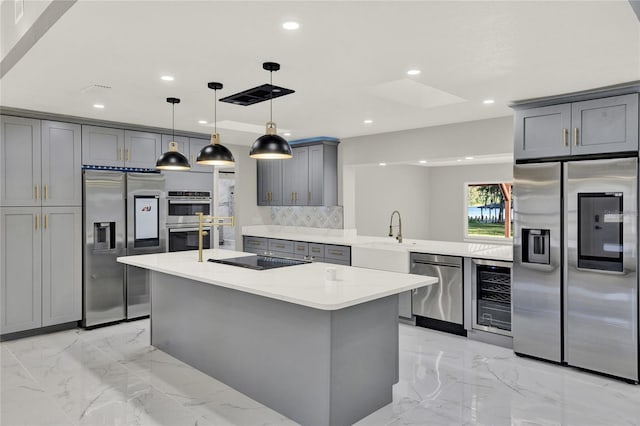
point(575, 283)
point(124, 214)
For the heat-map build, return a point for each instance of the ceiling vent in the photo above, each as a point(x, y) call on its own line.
point(257, 94)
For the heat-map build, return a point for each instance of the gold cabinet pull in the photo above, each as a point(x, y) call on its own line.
point(575, 136)
point(128, 154)
point(46, 191)
point(292, 196)
point(270, 196)
point(46, 221)
point(37, 221)
point(565, 137)
point(309, 197)
point(36, 191)
point(120, 152)
point(336, 252)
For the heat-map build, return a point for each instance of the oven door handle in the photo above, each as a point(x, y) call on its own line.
point(189, 201)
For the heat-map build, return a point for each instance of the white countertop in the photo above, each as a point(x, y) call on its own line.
point(349, 237)
point(300, 284)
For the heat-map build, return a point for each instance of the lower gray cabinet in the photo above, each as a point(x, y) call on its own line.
point(316, 252)
point(41, 264)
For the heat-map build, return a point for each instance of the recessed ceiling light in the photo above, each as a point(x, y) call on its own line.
point(368, 121)
point(99, 106)
point(202, 121)
point(382, 164)
point(167, 77)
point(414, 72)
point(287, 133)
point(423, 161)
point(291, 25)
point(488, 101)
point(458, 160)
point(468, 158)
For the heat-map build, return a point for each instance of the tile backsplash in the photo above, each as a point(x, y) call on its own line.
point(311, 217)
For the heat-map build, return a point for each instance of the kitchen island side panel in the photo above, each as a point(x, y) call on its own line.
point(315, 366)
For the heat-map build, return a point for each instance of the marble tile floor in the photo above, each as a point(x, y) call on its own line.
point(112, 376)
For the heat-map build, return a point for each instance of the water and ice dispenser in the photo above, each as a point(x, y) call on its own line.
point(104, 236)
point(535, 246)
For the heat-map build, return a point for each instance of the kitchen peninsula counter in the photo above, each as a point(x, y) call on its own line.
point(322, 352)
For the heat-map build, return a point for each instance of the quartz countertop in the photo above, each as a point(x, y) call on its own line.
point(349, 237)
point(300, 284)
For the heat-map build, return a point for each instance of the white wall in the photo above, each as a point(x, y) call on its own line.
point(446, 188)
point(381, 190)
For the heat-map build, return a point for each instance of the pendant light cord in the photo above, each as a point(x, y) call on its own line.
point(215, 111)
point(271, 97)
point(173, 122)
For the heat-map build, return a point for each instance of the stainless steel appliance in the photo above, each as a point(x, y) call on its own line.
point(183, 206)
point(575, 289)
point(439, 306)
point(182, 219)
point(124, 213)
point(491, 296)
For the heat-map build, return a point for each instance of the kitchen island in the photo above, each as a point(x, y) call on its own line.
point(318, 350)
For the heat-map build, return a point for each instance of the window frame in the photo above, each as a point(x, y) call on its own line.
point(465, 217)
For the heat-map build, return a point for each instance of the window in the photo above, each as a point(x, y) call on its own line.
point(489, 210)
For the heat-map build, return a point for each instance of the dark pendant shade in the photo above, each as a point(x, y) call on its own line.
point(215, 155)
point(270, 147)
point(172, 160)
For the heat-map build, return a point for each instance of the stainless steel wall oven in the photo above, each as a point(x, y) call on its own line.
point(183, 206)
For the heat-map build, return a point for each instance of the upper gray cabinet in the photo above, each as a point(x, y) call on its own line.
point(39, 163)
point(189, 147)
point(270, 182)
point(310, 178)
point(104, 146)
point(603, 125)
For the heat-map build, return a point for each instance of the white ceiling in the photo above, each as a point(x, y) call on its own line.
point(347, 62)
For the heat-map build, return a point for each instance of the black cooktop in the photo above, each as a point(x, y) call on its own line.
point(259, 262)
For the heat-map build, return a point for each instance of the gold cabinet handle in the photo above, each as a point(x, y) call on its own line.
point(565, 137)
point(46, 221)
point(46, 191)
point(292, 196)
point(270, 196)
point(120, 153)
point(336, 252)
point(36, 191)
point(575, 136)
point(37, 221)
point(128, 154)
point(309, 197)
point(295, 196)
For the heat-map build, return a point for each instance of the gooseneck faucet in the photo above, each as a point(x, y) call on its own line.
point(399, 236)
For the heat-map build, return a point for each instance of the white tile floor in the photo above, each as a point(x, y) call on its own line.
point(112, 376)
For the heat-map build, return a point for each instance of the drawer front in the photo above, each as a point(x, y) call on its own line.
point(282, 246)
point(255, 244)
point(342, 253)
point(316, 251)
point(300, 248)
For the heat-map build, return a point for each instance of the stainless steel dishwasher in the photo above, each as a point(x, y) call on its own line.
point(439, 306)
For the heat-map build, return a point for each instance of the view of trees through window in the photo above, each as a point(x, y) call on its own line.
point(489, 211)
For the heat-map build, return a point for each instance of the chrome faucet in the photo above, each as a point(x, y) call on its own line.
point(399, 236)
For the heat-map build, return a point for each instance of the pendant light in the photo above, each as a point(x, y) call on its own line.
point(270, 146)
point(172, 159)
point(215, 154)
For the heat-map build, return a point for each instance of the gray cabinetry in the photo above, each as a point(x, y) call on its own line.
point(41, 266)
point(295, 178)
point(141, 149)
point(20, 159)
point(102, 146)
point(39, 163)
point(257, 245)
point(310, 178)
point(270, 182)
point(61, 160)
point(602, 125)
point(316, 252)
point(61, 269)
point(20, 268)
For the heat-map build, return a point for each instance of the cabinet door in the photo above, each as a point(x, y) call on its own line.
point(20, 268)
point(295, 178)
point(61, 268)
point(316, 175)
point(102, 146)
point(270, 182)
point(542, 132)
point(141, 149)
point(195, 145)
point(61, 164)
point(20, 175)
point(605, 125)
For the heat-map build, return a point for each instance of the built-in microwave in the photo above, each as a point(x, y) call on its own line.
point(184, 206)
